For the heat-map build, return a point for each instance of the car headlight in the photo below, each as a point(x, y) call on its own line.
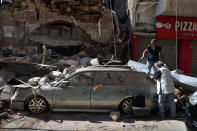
point(193, 99)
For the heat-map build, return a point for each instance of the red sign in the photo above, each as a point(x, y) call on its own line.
point(98, 87)
point(167, 26)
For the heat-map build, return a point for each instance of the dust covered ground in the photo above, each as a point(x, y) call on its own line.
point(88, 121)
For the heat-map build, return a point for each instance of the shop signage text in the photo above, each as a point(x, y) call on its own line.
point(167, 26)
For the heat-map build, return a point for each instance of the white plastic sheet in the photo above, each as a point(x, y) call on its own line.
point(186, 82)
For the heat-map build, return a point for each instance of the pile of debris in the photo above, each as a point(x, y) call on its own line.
point(30, 66)
point(42, 68)
point(13, 73)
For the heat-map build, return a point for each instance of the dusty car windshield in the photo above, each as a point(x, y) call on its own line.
point(81, 79)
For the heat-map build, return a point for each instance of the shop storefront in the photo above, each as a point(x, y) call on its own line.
point(186, 29)
point(166, 35)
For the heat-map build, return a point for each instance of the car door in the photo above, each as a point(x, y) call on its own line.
point(108, 90)
point(77, 94)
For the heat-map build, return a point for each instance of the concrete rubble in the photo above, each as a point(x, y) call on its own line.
point(52, 39)
point(88, 43)
point(6, 93)
point(115, 116)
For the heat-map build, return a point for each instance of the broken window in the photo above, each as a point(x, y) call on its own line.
point(81, 79)
point(106, 78)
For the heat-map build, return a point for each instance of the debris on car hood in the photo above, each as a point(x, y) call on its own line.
point(34, 81)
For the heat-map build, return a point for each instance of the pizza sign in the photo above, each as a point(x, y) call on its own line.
point(167, 27)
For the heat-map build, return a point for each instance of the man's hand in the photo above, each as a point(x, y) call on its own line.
point(144, 53)
point(151, 76)
point(142, 57)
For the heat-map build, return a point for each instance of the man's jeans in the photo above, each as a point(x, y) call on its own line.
point(151, 64)
point(167, 100)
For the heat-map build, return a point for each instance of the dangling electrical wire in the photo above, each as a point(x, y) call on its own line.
point(115, 48)
point(176, 35)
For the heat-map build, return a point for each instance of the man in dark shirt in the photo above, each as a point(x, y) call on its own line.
point(154, 51)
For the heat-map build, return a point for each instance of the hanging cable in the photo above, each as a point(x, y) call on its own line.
point(115, 48)
point(176, 35)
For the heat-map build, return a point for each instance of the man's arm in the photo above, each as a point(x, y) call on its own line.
point(144, 53)
point(161, 56)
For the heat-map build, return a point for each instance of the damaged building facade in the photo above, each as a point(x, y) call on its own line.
point(55, 23)
point(65, 24)
point(157, 19)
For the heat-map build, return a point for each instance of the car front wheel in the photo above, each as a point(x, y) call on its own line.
point(37, 105)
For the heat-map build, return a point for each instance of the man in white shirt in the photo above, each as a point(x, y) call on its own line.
point(165, 90)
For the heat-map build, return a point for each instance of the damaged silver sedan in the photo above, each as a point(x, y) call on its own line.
point(96, 89)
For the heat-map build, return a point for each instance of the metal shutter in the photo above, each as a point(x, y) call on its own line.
point(168, 49)
point(194, 58)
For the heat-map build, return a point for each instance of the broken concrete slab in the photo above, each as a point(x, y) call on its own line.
point(37, 57)
point(82, 54)
point(94, 62)
point(115, 115)
point(4, 115)
point(2, 82)
point(54, 74)
point(72, 63)
point(61, 62)
point(187, 82)
point(1, 104)
point(44, 80)
point(75, 57)
point(24, 68)
point(34, 81)
point(65, 71)
point(6, 93)
point(6, 75)
point(84, 60)
point(138, 66)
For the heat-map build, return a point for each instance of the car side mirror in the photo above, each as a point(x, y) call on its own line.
point(64, 84)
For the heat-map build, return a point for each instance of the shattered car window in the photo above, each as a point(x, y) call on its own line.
point(81, 79)
point(106, 78)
